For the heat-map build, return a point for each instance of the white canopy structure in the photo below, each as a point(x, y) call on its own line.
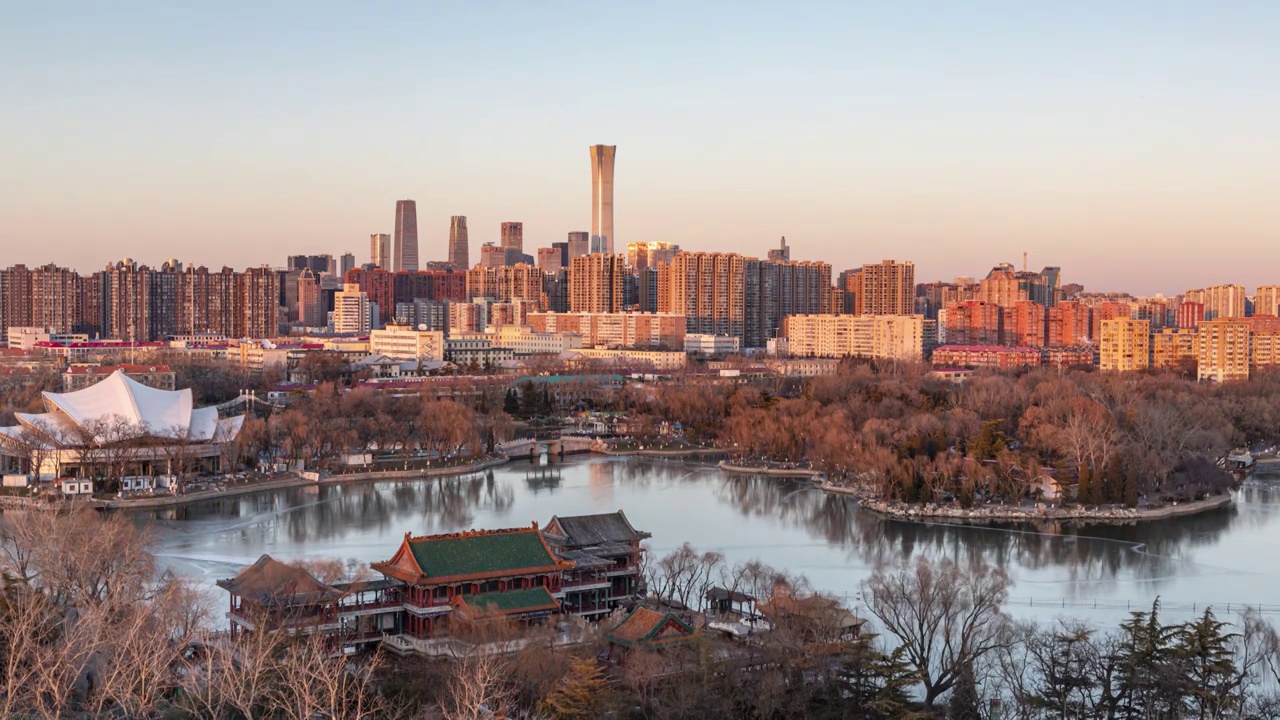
point(114, 411)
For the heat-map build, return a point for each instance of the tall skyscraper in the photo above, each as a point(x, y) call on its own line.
point(459, 254)
point(602, 198)
point(406, 238)
point(380, 250)
point(348, 262)
point(513, 236)
point(579, 245)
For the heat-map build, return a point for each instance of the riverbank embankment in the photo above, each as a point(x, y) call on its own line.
point(293, 480)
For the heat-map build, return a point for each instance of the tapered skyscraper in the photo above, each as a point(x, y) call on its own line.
point(602, 198)
point(405, 255)
point(459, 256)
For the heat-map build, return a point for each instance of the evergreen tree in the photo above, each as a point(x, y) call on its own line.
point(964, 703)
point(511, 402)
point(1148, 681)
point(578, 694)
point(1207, 664)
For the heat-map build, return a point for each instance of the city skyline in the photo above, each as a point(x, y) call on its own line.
point(860, 133)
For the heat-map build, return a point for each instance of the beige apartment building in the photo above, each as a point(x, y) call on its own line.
point(1265, 349)
point(889, 288)
point(1224, 350)
point(1173, 346)
point(1267, 300)
point(1224, 301)
point(1124, 345)
point(403, 342)
point(660, 360)
point(351, 310)
point(618, 330)
point(899, 337)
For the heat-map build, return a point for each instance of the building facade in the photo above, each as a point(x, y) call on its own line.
point(459, 243)
point(888, 288)
point(406, 237)
point(1124, 345)
point(400, 342)
point(596, 283)
point(1224, 352)
point(892, 337)
point(602, 159)
point(351, 311)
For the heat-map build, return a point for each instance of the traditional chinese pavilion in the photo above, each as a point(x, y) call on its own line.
point(584, 565)
point(512, 572)
point(648, 629)
point(605, 552)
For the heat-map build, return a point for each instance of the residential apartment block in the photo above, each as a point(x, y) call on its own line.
point(1124, 345)
point(898, 337)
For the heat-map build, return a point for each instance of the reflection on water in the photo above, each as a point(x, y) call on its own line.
point(1224, 554)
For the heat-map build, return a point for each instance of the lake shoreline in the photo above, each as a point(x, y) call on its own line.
point(997, 513)
point(1090, 514)
point(296, 481)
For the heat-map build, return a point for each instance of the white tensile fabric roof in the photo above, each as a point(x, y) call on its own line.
point(159, 413)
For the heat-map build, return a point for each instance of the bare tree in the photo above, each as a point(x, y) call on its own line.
point(946, 618)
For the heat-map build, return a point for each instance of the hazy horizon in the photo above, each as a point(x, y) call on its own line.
point(1133, 145)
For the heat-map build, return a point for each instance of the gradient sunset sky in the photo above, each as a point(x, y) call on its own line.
point(1135, 144)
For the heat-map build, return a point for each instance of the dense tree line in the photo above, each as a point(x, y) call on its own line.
point(996, 438)
point(321, 428)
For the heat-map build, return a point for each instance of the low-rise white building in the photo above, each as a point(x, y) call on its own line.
point(709, 345)
point(402, 342)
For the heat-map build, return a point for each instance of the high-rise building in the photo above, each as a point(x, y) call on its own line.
point(1068, 325)
point(1190, 314)
point(1267, 300)
point(563, 249)
point(351, 311)
point(708, 289)
point(506, 283)
point(310, 312)
point(782, 252)
point(602, 157)
point(492, 255)
point(579, 244)
point(549, 259)
point(406, 237)
point(380, 251)
point(1223, 301)
point(348, 262)
point(512, 237)
point(889, 288)
point(775, 289)
point(596, 283)
point(459, 247)
point(1124, 345)
point(1224, 352)
point(642, 256)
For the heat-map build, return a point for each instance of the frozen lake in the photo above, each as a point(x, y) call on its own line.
point(1220, 557)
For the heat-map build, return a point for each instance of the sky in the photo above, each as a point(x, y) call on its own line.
point(1133, 144)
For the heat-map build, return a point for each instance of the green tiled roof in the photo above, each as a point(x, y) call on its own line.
point(512, 601)
point(476, 554)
